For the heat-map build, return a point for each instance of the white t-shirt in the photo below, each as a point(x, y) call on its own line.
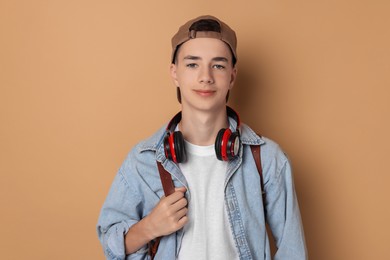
point(207, 235)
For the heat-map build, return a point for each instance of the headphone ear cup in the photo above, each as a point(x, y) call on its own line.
point(180, 149)
point(218, 144)
point(167, 147)
point(233, 146)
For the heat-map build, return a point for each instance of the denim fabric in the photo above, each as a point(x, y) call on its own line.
point(137, 188)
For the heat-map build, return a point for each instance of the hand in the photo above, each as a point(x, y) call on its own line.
point(169, 215)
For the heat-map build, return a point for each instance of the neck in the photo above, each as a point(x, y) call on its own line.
point(201, 127)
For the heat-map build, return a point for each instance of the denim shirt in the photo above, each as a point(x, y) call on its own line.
point(137, 189)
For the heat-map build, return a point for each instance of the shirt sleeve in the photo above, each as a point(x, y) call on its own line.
point(283, 215)
point(120, 211)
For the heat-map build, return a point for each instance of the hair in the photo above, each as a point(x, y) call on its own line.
point(201, 26)
point(206, 25)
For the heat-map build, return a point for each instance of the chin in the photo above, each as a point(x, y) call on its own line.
point(205, 106)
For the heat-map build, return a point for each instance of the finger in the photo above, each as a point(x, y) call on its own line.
point(181, 203)
point(181, 213)
point(182, 222)
point(181, 189)
point(177, 195)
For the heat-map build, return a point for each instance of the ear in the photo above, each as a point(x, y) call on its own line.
point(173, 69)
point(233, 77)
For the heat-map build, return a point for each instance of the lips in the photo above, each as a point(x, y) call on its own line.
point(204, 92)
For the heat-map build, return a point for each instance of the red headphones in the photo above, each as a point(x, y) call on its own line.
point(227, 144)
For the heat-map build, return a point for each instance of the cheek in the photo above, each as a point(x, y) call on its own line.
point(186, 78)
point(224, 77)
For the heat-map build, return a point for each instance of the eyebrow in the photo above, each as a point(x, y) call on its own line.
point(191, 57)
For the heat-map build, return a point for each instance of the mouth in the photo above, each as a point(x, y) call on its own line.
point(204, 92)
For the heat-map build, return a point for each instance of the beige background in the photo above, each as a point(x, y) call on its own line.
point(83, 81)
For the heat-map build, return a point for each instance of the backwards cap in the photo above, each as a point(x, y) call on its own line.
point(184, 34)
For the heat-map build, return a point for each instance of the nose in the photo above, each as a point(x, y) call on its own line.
point(206, 76)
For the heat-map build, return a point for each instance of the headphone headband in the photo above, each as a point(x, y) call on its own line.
point(173, 123)
point(231, 113)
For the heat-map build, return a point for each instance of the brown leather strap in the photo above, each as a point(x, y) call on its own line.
point(166, 180)
point(169, 188)
point(257, 156)
point(153, 246)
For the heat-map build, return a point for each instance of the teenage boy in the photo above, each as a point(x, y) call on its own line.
point(216, 210)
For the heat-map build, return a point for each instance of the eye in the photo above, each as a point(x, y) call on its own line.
point(191, 65)
point(218, 66)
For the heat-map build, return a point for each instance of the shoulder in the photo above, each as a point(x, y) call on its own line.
point(272, 149)
point(273, 158)
point(269, 147)
point(138, 170)
point(275, 163)
point(144, 153)
point(251, 137)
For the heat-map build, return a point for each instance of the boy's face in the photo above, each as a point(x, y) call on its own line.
point(204, 72)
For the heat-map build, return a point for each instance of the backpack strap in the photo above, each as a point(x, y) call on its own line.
point(166, 180)
point(169, 188)
point(257, 156)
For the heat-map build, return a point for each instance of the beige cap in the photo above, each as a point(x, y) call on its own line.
point(184, 34)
